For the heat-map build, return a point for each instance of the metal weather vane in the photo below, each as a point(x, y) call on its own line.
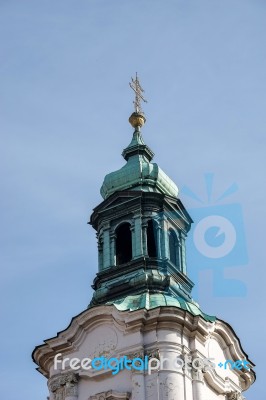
point(135, 85)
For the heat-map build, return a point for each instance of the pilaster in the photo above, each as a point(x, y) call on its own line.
point(183, 253)
point(144, 237)
point(106, 245)
point(137, 236)
point(165, 239)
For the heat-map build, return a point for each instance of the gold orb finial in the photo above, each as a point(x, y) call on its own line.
point(137, 118)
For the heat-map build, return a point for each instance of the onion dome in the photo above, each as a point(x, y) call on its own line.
point(139, 173)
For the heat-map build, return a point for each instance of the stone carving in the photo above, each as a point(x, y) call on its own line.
point(137, 354)
point(64, 385)
point(59, 394)
point(235, 396)
point(71, 387)
point(197, 370)
point(153, 353)
point(110, 395)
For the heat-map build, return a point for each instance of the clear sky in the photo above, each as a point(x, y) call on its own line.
point(64, 107)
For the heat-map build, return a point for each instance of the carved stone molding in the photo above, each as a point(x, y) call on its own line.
point(64, 385)
point(136, 354)
point(152, 353)
point(235, 396)
point(193, 366)
point(110, 395)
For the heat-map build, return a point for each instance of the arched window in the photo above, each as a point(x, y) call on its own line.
point(151, 239)
point(173, 248)
point(123, 244)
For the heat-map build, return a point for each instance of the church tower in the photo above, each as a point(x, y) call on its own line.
point(142, 336)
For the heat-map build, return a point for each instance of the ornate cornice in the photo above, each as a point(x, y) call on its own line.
point(170, 318)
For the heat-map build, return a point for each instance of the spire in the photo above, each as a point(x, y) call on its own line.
point(137, 146)
point(137, 118)
point(139, 173)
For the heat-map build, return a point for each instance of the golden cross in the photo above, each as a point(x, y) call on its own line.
point(135, 85)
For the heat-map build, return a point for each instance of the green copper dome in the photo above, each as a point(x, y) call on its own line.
point(154, 300)
point(139, 173)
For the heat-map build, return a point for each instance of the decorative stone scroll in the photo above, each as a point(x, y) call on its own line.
point(110, 395)
point(64, 386)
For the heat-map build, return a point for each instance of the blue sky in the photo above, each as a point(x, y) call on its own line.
point(64, 106)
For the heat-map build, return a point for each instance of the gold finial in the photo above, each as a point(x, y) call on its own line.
point(137, 119)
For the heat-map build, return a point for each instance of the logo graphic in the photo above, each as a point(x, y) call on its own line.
point(214, 236)
point(217, 239)
point(148, 364)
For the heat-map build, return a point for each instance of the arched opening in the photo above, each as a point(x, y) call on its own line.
point(151, 239)
point(123, 244)
point(173, 248)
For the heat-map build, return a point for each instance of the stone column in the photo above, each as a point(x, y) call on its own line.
point(198, 381)
point(171, 385)
point(151, 386)
point(171, 378)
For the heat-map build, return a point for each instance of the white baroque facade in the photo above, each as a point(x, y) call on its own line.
point(164, 333)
